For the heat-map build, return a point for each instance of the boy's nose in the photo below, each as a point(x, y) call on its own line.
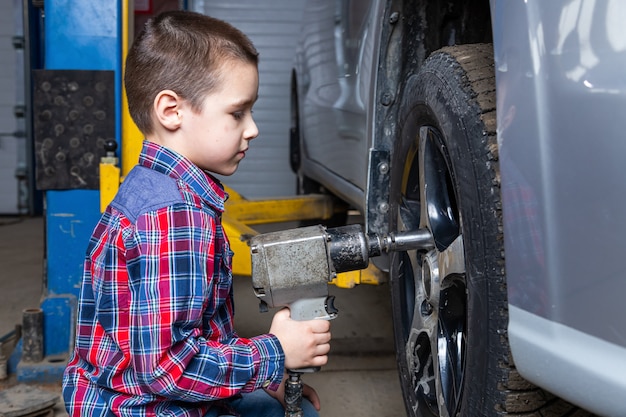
point(252, 131)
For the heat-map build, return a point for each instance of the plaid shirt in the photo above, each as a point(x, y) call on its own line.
point(155, 320)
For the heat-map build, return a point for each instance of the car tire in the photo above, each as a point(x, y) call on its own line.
point(450, 302)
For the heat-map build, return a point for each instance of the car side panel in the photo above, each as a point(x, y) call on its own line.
point(336, 60)
point(561, 120)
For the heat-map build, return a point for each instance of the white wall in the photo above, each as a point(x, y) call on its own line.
point(273, 27)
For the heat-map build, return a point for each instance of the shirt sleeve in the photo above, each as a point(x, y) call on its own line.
point(181, 341)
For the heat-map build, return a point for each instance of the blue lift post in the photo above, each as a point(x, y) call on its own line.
point(79, 35)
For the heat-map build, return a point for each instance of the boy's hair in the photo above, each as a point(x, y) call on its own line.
point(184, 52)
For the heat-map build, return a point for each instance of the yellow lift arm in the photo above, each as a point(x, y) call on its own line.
point(242, 213)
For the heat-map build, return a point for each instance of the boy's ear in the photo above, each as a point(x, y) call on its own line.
point(167, 106)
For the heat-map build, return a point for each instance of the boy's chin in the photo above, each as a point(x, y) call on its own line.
point(227, 172)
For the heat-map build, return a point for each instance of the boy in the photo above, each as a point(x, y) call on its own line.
point(154, 333)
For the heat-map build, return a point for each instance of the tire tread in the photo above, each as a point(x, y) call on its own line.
point(518, 397)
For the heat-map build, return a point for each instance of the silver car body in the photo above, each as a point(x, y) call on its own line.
point(561, 88)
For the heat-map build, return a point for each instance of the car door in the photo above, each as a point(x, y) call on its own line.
point(338, 46)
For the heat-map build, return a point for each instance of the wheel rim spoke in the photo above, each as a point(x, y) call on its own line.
point(451, 336)
point(439, 212)
point(452, 260)
point(435, 303)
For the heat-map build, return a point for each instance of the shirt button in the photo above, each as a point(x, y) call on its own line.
point(267, 383)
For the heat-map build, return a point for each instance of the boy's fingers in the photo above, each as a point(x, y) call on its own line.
point(311, 394)
point(320, 360)
point(322, 338)
point(319, 326)
point(322, 349)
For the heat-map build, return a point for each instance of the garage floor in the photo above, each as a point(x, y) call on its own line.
point(360, 379)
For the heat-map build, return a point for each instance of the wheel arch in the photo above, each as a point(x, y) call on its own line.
point(433, 24)
point(412, 30)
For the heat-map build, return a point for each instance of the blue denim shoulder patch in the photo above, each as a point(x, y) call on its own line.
point(145, 190)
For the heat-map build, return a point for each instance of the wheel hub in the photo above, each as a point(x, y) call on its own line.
point(435, 347)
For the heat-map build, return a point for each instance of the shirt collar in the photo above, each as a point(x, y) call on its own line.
point(176, 166)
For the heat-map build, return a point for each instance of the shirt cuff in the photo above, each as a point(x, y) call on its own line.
point(271, 362)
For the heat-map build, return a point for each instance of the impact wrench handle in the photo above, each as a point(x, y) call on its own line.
point(321, 308)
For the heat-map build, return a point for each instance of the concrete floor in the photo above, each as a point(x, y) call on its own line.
point(360, 379)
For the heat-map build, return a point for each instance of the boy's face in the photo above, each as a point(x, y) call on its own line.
point(216, 139)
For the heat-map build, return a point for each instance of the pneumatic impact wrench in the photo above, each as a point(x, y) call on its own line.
point(292, 268)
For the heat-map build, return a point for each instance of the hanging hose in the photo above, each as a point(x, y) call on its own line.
point(293, 395)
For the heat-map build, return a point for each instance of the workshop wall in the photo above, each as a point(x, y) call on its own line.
point(8, 143)
point(273, 27)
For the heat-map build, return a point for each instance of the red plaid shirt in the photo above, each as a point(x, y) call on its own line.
point(155, 320)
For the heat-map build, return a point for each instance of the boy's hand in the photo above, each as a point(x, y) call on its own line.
point(308, 392)
point(305, 343)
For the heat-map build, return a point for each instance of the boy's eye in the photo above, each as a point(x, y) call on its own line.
point(238, 115)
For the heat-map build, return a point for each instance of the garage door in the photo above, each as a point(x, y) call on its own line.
point(10, 146)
